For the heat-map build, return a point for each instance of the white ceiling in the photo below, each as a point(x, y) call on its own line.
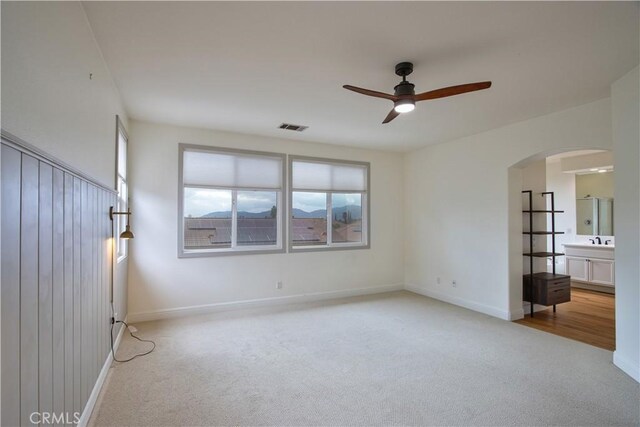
point(249, 66)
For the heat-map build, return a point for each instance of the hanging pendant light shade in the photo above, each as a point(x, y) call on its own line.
point(127, 234)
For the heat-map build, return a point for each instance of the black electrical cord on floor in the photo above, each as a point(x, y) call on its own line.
point(113, 322)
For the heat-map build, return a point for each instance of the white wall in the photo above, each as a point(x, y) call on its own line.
point(534, 178)
point(48, 99)
point(564, 187)
point(625, 103)
point(159, 281)
point(463, 206)
point(50, 102)
point(595, 184)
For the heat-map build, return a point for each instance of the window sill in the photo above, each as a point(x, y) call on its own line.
point(334, 247)
point(251, 250)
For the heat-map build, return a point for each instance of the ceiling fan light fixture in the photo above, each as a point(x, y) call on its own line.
point(404, 96)
point(404, 106)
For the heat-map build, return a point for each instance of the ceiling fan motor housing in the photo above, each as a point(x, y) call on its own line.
point(404, 89)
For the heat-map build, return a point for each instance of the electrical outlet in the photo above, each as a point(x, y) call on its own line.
point(453, 283)
point(438, 280)
point(279, 285)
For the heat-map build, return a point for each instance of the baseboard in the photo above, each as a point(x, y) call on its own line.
point(462, 302)
point(255, 303)
point(519, 313)
point(627, 366)
point(593, 287)
point(93, 397)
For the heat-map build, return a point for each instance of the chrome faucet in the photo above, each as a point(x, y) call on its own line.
point(598, 239)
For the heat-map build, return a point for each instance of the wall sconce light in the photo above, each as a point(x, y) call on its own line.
point(126, 234)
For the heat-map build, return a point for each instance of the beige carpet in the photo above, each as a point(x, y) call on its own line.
point(390, 359)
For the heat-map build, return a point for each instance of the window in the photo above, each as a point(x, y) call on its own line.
point(122, 188)
point(231, 201)
point(329, 204)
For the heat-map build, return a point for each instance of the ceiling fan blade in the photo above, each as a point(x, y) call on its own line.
point(452, 90)
point(392, 115)
point(371, 92)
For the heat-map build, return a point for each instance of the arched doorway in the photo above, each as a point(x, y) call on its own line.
point(543, 172)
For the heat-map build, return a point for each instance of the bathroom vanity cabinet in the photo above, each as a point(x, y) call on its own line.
point(591, 264)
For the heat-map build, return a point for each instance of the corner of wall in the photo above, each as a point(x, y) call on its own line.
point(625, 110)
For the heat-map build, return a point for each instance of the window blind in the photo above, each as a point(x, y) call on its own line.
point(309, 175)
point(220, 169)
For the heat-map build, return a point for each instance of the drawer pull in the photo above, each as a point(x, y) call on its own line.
point(559, 282)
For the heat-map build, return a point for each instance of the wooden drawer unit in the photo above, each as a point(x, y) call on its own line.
point(548, 288)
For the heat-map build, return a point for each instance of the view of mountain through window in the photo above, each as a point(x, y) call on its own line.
point(347, 218)
point(207, 222)
point(309, 218)
point(257, 218)
point(232, 201)
point(328, 204)
point(208, 218)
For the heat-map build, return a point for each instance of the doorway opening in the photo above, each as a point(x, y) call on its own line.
point(577, 242)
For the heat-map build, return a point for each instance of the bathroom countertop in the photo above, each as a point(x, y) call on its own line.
point(590, 246)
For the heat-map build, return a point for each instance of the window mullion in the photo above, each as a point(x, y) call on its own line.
point(329, 220)
point(234, 218)
point(364, 219)
point(279, 206)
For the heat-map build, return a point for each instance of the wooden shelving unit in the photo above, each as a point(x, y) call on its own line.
point(543, 287)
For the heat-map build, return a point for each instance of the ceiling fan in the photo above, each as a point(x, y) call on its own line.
point(405, 98)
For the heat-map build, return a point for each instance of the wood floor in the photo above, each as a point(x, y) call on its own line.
point(589, 317)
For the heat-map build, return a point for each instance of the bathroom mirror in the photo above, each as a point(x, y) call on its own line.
point(594, 204)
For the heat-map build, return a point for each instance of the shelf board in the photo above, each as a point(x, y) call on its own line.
point(541, 211)
point(544, 254)
point(543, 232)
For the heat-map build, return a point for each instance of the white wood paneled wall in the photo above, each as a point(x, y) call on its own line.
point(56, 261)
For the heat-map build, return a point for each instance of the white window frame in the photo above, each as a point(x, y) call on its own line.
point(365, 207)
point(234, 249)
point(122, 203)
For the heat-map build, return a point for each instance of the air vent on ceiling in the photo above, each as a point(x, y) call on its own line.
point(289, 126)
